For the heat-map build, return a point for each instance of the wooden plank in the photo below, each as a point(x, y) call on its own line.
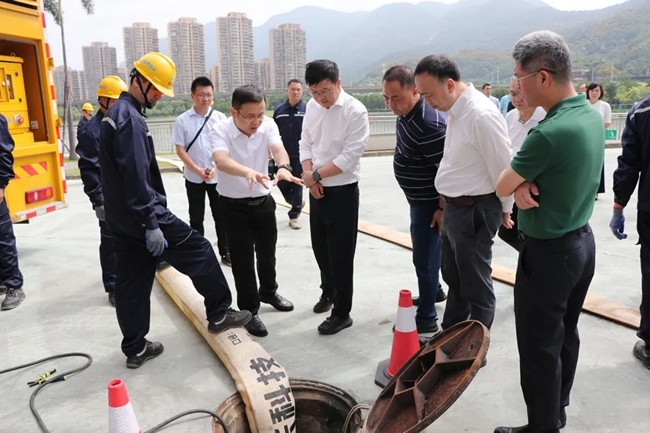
point(601, 307)
point(254, 370)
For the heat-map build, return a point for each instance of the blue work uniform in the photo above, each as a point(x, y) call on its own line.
point(10, 275)
point(633, 168)
point(82, 123)
point(88, 151)
point(135, 201)
point(289, 120)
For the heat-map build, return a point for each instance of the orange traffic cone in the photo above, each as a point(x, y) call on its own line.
point(121, 418)
point(405, 340)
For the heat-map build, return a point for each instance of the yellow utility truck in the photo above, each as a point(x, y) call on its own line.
point(28, 101)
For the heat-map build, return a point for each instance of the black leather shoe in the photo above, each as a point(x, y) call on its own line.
point(323, 305)
point(441, 296)
point(151, 350)
point(642, 353)
point(256, 327)
point(111, 298)
point(278, 302)
point(522, 429)
point(427, 327)
point(225, 259)
point(230, 319)
point(333, 325)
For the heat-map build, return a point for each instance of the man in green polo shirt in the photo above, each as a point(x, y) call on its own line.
point(554, 178)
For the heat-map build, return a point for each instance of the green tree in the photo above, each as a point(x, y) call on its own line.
point(55, 9)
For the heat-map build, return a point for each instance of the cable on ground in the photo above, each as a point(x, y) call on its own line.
point(48, 378)
point(355, 409)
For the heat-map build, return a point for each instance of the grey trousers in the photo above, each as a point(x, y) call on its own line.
point(467, 237)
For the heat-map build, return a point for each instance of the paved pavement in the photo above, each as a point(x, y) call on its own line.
point(66, 311)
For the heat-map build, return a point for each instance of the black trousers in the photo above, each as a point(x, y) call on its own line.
point(553, 277)
point(511, 236)
point(188, 252)
point(196, 193)
point(334, 222)
point(107, 257)
point(10, 275)
point(252, 231)
point(467, 238)
point(643, 227)
point(292, 192)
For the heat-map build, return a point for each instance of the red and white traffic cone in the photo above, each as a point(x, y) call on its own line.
point(405, 340)
point(121, 418)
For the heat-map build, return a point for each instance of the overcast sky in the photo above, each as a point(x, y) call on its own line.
point(111, 15)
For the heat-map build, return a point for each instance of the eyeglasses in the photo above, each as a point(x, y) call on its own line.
point(321, 93)
point(251, 117)
point(517, 80)
point(204, 95)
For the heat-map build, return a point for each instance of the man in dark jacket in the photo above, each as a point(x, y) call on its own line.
point(635, 161)
point(289, 116)
point(109, 91)
point(141, 225)
point(11, 279)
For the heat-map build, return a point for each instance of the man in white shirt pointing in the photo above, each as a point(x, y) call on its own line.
point(240, 148)
point(477, 150)
point(334, 135)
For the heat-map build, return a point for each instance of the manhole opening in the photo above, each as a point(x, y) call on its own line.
point(320, 408)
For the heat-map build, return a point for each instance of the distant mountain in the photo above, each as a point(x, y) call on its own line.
point(361, 42)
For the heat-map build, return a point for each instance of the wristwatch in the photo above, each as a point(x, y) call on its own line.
point(316, 176)
point(286, 167)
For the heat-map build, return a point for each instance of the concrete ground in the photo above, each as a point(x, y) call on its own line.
point(66, 310)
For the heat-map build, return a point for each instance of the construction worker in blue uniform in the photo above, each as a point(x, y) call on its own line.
point(11, 279)
point(86, 115)
point(634, 167)
point(108, 92)
point(142, 227)
point(289, 116)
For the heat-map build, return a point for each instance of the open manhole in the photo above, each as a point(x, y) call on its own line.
point(419, 393)
point(320, 408)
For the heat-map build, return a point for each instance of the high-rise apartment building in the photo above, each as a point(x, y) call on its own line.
point(263, 74)
point(187, 50)
point(235, 51)
point(78, 87)
point(287, 54)
point(214, 77)
point(139, 40)
point(100, 60)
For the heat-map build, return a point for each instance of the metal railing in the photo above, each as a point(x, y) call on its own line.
point(381, 124)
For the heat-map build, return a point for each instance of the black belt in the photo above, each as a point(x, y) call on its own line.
point(584, 229)
point(340, 187)
point(247, 201)
point(468, 200)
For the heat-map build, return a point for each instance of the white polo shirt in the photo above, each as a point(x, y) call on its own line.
point(518, 131)
point(185, 129)
point(252, 152)
point(338, 134)
point(477, 148)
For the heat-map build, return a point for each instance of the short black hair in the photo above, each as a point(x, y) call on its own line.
point(402, 74)
point(591, 87)
point(294, 80)
point(246, 94)
point(320, 70)
point(486, 85)
point(439, 66)
point(201, 82)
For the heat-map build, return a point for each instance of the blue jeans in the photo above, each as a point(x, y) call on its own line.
point(427, 254)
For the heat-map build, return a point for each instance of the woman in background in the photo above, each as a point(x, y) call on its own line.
point(595, 95)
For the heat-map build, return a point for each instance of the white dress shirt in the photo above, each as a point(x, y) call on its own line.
point(604, 109)
point(477, 148)
point(185, 129)
point(338, 134)
point(252, 152)
point(518, 131)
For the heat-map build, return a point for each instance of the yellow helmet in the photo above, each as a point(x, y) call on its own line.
point(88, 107)
point(159, 70)
point(111, 87)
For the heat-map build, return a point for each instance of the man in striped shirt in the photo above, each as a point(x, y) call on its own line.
point(420, 143)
